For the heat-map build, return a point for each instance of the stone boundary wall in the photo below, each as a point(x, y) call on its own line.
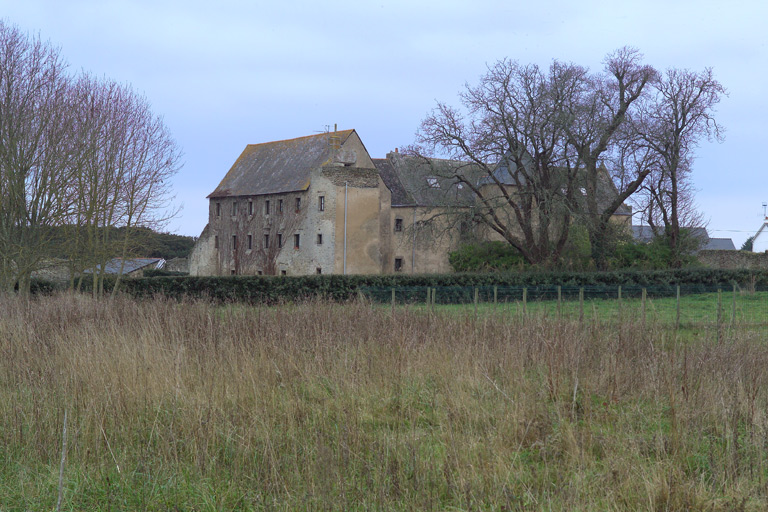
point(734, 259)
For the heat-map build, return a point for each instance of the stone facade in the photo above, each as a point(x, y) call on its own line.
point(320, 204)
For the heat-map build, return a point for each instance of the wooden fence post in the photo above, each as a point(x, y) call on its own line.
point(677, 317)
point(559, 301)
point(581, 305)
point(476, 294)
point(719, 313)
point(645, 295)
point(393, 300)
point(525, 301)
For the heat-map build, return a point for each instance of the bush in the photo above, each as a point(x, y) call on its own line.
point(485, 256)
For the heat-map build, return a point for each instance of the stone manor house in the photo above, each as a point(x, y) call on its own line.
point(321, 205)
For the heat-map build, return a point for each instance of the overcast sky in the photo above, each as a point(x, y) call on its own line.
point(226, 74)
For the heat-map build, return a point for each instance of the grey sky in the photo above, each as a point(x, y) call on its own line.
point(227, 74)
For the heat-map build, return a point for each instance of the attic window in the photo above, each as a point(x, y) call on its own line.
point(321, 203)
point(398, 225)
point(218, 209)
point(432, 182)
point(234, 208)
point(279, 206)
point(298, 204)
point(266, 207)
point(250, 207)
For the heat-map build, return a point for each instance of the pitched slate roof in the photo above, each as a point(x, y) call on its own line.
point(606, 189)
point(280, 166)
point(131, 265)
point(417, 181)
point(645, 234)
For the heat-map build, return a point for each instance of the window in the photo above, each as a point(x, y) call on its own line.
point(321, 203)
point(266, 241)
point(250, 207)
point(218, 209)
point(279, 206)
point(266, 207)
point(259, 272)
point(215, 241)
point(234, 241)
point(250, 242)
point(319, 239)
point(232, 272)
point(279, 240)
point(432, 182)
point(398, 225)
point(298, 204)
point(283, 272)
point(318, 270)
point(398, 264)
point(234, 208)
point(296, 241)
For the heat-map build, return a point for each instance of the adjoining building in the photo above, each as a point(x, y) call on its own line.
point(321, 205)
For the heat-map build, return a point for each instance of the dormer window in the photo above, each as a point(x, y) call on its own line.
point(432, 182)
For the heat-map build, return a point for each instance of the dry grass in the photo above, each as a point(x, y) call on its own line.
point(321, 406)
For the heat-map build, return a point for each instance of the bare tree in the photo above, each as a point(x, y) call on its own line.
point(671, 127)
point(513, 139)
point(34, 150)
point(597, 130)
point(84, 154)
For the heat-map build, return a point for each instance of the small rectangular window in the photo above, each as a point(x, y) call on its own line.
point(319, 270)
point(298, 204)
point(218, 209)
point(266, 241)
point(279, 206)
point(266, 207)
point(283, 272)
point(234, 208)
point(296, 241)
point(279, 240)
point(398, 264)
point(398, 225)
point(319, 239)
point(234, 241)
point(321, 203)
point(232, 272)
point(215, 241)
point(250, 207)
point(259, 272)
point(250, 242)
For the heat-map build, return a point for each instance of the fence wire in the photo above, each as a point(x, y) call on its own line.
point(684, 305)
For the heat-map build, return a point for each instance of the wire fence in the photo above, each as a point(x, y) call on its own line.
point(678, 306)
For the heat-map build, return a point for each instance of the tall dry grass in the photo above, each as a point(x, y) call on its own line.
point(318, 405)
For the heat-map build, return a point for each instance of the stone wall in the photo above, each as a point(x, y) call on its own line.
point(734, 259)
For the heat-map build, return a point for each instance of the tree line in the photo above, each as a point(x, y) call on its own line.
point(78, 154)
point(547, 142)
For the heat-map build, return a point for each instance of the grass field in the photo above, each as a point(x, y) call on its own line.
point(354, 407)
point(737, 310)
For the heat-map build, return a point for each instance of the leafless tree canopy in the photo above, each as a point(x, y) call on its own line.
point(542, 143)
point(77, 153)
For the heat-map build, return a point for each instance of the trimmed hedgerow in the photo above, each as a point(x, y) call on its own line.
point(271, 289)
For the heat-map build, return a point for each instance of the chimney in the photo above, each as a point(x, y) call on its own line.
point(397, 150)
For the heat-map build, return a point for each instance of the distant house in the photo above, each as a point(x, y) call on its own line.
point(131, 267)
point(760, 240)
point(644, 234)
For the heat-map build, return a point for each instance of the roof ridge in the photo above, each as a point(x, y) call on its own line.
point(345, 132)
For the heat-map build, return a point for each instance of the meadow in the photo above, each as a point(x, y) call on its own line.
point(192, 406)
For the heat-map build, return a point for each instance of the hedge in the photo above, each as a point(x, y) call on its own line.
point(272, 289)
